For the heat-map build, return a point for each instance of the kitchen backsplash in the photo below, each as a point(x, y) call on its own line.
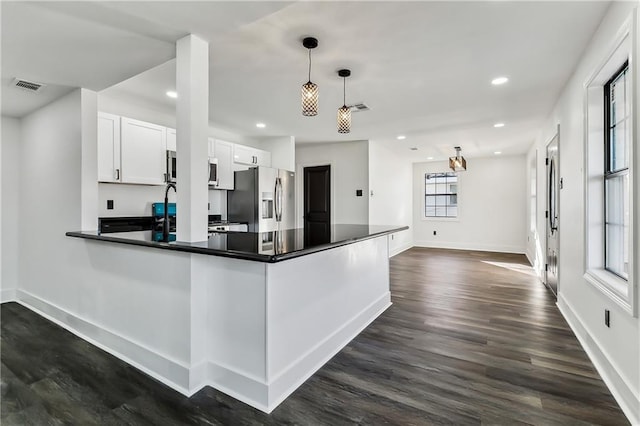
point(136, 200)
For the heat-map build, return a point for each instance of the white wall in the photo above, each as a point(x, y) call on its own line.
point(615, 351)
point(391, 182)
point(349, 171)
point(491, 206)
point(9, 200)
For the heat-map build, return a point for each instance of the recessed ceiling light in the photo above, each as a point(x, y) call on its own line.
point(261, 125)
point(401, 137)
point(172, 94)
point(429, 158)
point(498, 152)
point(497, 125)
point(499, 80)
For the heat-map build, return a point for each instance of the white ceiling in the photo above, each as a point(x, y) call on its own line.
point(424, 68)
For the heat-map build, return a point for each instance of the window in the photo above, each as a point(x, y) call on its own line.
point(617, 97)
point(441, 194)
point(610, 255)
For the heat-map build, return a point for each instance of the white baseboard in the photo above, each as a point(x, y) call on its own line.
point(7, 295)
point(252, 391)
point(623, 393)
point(400, 249)
point(170, 372)
point(471, 246)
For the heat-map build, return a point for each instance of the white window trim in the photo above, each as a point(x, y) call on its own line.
point(425, 218)
point(622, 292)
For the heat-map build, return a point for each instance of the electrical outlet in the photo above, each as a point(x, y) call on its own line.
point(358, 192)
point(434, 232)
point(607, 318)
point(109, 204)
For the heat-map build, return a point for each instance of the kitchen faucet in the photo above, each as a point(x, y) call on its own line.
point(165, 229)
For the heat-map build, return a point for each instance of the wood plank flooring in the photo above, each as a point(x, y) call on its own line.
point(472, 338)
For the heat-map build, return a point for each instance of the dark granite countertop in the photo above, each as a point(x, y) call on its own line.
point(267, 247)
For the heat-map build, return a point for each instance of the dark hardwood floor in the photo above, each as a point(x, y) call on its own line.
point(472, 338)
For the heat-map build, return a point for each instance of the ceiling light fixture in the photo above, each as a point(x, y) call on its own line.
point(344, 112)
point(309, 89)
point(401, 137)
point(457, 163)
point(498, 152)
point(429, 158)
point(172, 94)
point(261, 125)
point(499, 80)
point(498, 125)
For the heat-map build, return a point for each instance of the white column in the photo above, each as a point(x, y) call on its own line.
point(192, 110)
point(89, 166)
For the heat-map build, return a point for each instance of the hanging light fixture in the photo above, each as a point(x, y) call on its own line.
point(309, 89)
point(344, 112)
point(457, 163)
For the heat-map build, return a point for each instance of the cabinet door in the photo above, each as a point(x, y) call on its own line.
point(108, 147)
point(263, 158)
point(244, 155)
point(224, 154)
point(143, 152)
point(212, 148)
point(171, 139)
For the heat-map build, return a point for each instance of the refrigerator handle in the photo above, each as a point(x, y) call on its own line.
point(278, 200)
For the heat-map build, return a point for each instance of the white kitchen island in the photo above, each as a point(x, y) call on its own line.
point(261, 312)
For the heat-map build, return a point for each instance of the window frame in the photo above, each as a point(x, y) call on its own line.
point(424, 198)
point(611, 174)
point(620, 291)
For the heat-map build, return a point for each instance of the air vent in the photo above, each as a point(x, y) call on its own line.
point(360, 106)
point(29, 86)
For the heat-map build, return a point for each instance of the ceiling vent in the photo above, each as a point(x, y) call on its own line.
point(360, 106)
point(29, 86)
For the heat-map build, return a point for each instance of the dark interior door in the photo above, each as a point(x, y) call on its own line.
point(317, 205)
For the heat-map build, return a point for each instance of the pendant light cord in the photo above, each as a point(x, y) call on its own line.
point(309, 64)
point(344, 91)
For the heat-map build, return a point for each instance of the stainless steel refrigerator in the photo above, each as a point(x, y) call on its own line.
point(264, 198)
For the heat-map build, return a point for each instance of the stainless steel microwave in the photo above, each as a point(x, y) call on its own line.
point(172, 166)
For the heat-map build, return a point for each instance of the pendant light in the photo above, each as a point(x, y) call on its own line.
point(309, 89)
point(457, 163)
point(344, 112)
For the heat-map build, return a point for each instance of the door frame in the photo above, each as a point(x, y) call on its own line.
point(300, 190)
point(556, 136)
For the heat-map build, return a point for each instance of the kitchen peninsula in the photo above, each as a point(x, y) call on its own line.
point(250, 314)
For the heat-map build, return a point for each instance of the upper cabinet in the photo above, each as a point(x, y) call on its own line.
point(224, 154)
point(108, 148)
point(251, 156)
point(143, 152)
point(171, 139)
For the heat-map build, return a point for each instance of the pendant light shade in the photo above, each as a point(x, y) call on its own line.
point(309, 89)
point(344, 112)
point(458, 163)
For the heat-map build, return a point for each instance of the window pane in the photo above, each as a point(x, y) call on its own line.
point(619, 104)
point(441, 211)
point(430, 189)
point(452, 211)
point(618, 146)
point(441, 200)
point(617, 224)
point(430, 211)
point(430, 201)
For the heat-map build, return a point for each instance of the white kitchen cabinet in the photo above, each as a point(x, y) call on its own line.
point(143, 152)
point(251, 156)
point(171, 139)
point(224, 154)
point(108, 147)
